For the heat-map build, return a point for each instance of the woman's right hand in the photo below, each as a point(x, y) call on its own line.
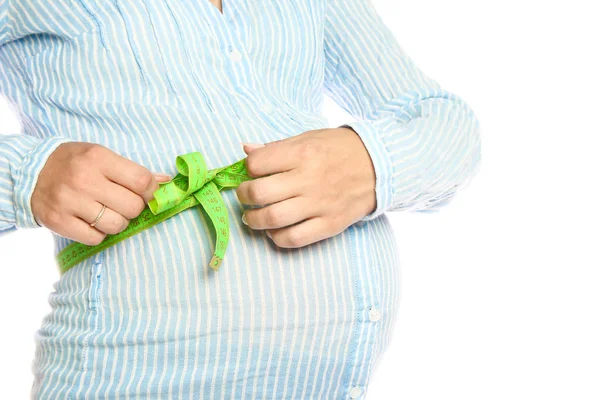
point(78, 178)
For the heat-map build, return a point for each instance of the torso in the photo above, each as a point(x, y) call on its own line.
point(148, 315)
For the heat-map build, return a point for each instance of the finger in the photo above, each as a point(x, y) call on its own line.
point(249, 147)
point(278, 215)
point(119, 199)
point(278, 156)
point(110, 221)
point(76, 229)
point(270, 189)
point(131, 175)
point(307, 232)
point(161, 178)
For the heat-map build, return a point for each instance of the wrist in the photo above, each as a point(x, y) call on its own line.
point(366, 174)
point(382, 167)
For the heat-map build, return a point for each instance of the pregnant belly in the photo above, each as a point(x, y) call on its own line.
point(148, 315)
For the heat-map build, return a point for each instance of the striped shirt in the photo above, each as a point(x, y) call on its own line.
point(146, 318)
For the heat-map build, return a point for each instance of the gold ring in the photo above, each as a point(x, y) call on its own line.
point(99, 215)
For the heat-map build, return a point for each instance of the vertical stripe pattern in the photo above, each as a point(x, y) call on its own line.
point(152, 79)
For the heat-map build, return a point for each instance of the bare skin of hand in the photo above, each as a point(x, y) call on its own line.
point(78, 178)
point(319, 183)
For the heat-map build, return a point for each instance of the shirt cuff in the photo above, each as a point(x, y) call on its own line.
point(371, 138)
point(26, 177)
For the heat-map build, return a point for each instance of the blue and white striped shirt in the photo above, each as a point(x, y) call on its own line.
point(149, 79)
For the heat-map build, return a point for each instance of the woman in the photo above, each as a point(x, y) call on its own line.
point(304, 303)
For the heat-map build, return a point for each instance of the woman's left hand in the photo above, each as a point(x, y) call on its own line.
point(321, 180)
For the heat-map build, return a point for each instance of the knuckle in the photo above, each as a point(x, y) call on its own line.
point(294, 239)
point(78, 176)
point(136, 207)
point(238, 190)
point(96, 239)
point(115, 226)
point(61, 197)
point(78, 162)
point(94, 152)
point(286, 238)
point(143, 181)
point(252, 165)
point(309, 148)
point(256, 192)
point(53, 217)
point(273, 217)
point(141, 204)
point(277, 240)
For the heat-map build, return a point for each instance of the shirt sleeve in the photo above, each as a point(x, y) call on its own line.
point(22, 157)
point(424, 141)
point(3, 22)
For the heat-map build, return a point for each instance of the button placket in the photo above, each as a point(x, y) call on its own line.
point(232, 49)
point(239, 64)
point(374, 314)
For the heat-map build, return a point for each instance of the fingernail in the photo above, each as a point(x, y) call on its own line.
point(269, 234)
point(162, 177)
point(254, 145)
point(244, 218)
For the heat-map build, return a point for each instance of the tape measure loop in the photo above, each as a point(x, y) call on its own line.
point(194, 185)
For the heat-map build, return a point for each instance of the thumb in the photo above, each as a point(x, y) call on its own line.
point(248, 147)
point(162, 177)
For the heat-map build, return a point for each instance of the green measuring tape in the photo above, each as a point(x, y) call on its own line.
point(194, 184)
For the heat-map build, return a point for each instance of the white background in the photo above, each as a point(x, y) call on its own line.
point(501, 290)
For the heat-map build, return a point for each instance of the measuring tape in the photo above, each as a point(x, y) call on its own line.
point(194, 184)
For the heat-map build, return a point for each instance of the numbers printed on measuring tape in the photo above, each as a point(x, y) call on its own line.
point(171, 198)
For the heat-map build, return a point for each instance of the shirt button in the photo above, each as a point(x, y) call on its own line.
point(266, 107)
point(374, 314)
point(235, 55)
point(355, 392)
